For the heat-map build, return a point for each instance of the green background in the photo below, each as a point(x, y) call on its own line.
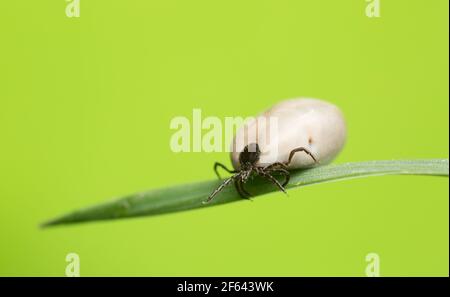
point(86, 105)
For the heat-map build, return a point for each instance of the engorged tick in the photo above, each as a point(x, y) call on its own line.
point(314, 127)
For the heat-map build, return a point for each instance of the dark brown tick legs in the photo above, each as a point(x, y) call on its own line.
point(248, 160)
point(272, 179)
point(300, 149)
point(280, 168)
point(274, 165)
point(217, 164)
point(285, 173)
point(240, 188)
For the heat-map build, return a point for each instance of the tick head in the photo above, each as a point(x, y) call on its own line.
point(250, 154)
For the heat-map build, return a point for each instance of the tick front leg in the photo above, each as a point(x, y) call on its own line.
point(217, 164)
point(300, 149)
point(219, 188)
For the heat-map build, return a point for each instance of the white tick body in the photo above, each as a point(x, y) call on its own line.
point(313, 124)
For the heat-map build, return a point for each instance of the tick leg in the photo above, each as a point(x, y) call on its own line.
point(219, 188)
point(217, 164)
point(272, 179)
point(274, 165)
point(240, 188)
point(281, 168)
point(300, 149)
point(285, 173)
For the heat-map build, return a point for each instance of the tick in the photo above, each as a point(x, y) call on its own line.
point(308, 132)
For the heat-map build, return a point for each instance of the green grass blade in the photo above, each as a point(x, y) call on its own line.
point(190, 196)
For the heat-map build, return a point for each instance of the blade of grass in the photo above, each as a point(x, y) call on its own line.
point(190, 196)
